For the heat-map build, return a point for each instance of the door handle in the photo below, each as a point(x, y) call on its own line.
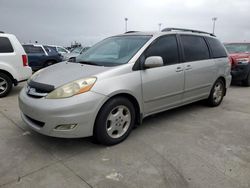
point(179, 69)
point(188, 67)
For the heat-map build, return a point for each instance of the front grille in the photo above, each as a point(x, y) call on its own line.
point(39, 124)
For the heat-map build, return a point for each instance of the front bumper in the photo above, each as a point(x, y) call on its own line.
point(44, 115)
point(240, 72)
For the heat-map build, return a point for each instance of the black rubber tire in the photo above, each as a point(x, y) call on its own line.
point(48, 63)
point(210, 101)
point(100, 132)
point(247, 81)
point(9, 84)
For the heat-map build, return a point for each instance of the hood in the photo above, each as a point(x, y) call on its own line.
point(65, 72)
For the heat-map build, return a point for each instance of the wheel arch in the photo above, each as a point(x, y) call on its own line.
point(8, 74)
point(132, 99)
point(49, 60)
point(224, 81)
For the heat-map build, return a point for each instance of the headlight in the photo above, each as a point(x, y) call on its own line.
point(243, 61)
point(73, 88)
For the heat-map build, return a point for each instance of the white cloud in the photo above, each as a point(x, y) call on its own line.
point(88, 21)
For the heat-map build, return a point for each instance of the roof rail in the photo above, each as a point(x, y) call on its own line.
point(188, 30)
point(1, 32)
point(130, 32)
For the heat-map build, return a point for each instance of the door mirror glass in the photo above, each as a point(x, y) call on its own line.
point(153, 61)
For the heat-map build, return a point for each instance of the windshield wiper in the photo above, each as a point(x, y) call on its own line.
point(89, 63)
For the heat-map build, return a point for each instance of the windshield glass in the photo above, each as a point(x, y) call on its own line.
point(238, 48)
point(77, 50)
point(113, 51)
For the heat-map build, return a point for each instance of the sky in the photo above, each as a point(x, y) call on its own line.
point(61, 22)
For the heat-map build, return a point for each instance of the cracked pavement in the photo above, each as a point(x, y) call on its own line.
point(192, 146)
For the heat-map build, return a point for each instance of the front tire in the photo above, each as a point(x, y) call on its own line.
point(217, 93)
point(5, 85)
point(114, 121)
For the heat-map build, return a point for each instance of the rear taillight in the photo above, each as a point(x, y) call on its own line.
point(231, 61)
point(25, 60)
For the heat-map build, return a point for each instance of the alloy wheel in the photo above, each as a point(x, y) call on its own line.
point(3, 85)
point(218, 92)
point(118, 121)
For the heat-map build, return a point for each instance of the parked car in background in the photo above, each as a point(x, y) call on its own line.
point(41, 56)
point(240, 56)
point(61, 50)
point(123, 79)
point(14, 66)
point(74, 53)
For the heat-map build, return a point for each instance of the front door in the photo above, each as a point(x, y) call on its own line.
point(163, 87)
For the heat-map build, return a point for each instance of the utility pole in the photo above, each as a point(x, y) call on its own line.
point(126, 24)
point(214, 19)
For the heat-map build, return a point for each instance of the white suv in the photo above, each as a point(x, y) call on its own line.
point(14, 66)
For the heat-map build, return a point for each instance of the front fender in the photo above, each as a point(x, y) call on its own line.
point(128, 83)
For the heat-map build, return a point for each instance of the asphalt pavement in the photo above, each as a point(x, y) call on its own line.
point(193, 146)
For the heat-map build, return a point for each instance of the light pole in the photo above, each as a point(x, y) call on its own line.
point(160, 24)
point(214, 20)
point(126, 24)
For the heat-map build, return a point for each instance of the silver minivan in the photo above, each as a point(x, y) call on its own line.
point(121, 80)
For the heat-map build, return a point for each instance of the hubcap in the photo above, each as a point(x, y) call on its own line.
point(218, 92)
point(118, 121)
point(3, 85)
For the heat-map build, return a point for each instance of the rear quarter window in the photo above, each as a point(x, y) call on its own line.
point(217, 48)
point(29, 49)
point(195, 48)
point(5, 45)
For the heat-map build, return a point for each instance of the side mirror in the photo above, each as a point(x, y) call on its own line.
point(153, 61)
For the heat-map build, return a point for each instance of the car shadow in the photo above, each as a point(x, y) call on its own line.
point(66, 147)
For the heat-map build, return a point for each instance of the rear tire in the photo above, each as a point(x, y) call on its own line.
point(217, 93)
point(5, 85)
point(114, 121)
point(247, 81)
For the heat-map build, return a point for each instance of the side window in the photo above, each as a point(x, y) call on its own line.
point(195, 48)
point(5, 45)
point(61, 50)
point(48, 49)
point(33, 49)
point(216, 47)
point(166, 47)
point(38, 49)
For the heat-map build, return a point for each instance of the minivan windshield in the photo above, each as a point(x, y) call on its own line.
point(77, 50)
point(113, 51)
point(238, 47)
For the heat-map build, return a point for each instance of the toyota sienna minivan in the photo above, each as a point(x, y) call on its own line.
point(121, 80)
